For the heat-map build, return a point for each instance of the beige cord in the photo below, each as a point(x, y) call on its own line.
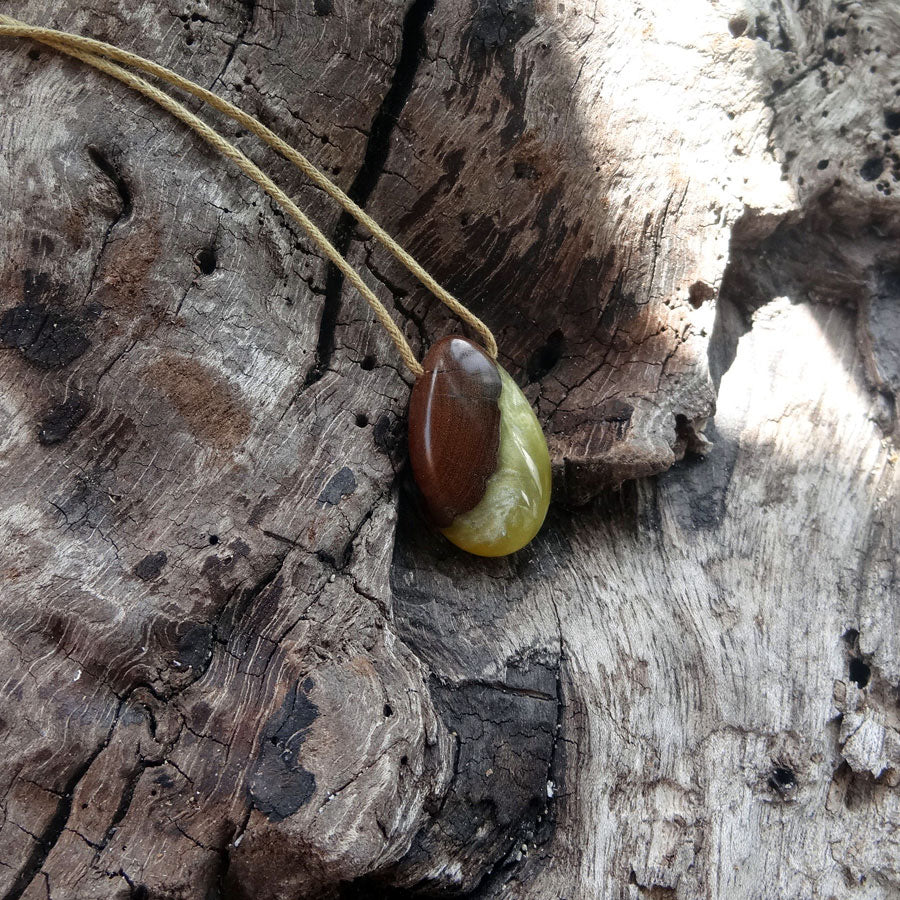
point(91, 52)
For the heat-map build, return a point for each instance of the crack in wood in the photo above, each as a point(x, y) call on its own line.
point(249, 14)
point(378, 146)
point(53, 831)
point(111, 171)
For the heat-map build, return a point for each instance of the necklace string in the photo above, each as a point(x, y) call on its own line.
point(106, 58)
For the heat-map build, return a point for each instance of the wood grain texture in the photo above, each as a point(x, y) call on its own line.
point(454, 427)
point(235, 663)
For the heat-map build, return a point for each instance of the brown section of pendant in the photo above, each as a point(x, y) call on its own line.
point(454, 427)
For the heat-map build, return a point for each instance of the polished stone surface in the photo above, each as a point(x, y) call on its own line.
point(454, 427)
point(515, 502)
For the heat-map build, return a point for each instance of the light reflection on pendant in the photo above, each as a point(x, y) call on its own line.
point(477, 451)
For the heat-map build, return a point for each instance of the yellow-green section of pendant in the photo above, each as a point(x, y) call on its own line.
point(515, 501)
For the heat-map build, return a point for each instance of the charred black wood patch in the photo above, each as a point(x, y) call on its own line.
point(340, 485)
point(40, 328)
point(389, 434)
point(47, 338)
point(280, 784)
point(62, 420)
point(506, 738)
point(151, 566)
point(195, 646)
point(501, 23)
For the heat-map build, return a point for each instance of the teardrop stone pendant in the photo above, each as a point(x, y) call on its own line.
point(477, 451)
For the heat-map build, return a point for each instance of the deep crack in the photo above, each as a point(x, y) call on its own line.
point(103, 163)
point(250, 13)
point(412, 49)
point(55, 827)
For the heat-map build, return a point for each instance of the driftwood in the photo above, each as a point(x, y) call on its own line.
point(235, 662)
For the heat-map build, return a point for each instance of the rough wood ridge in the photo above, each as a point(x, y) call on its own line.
point(235, 664)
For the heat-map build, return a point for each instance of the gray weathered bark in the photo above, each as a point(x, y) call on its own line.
point(237, 665)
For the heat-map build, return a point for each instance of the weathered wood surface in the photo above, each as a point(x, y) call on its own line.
point(236, 664)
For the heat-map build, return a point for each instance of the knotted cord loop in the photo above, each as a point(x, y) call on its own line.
point(104, 57)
